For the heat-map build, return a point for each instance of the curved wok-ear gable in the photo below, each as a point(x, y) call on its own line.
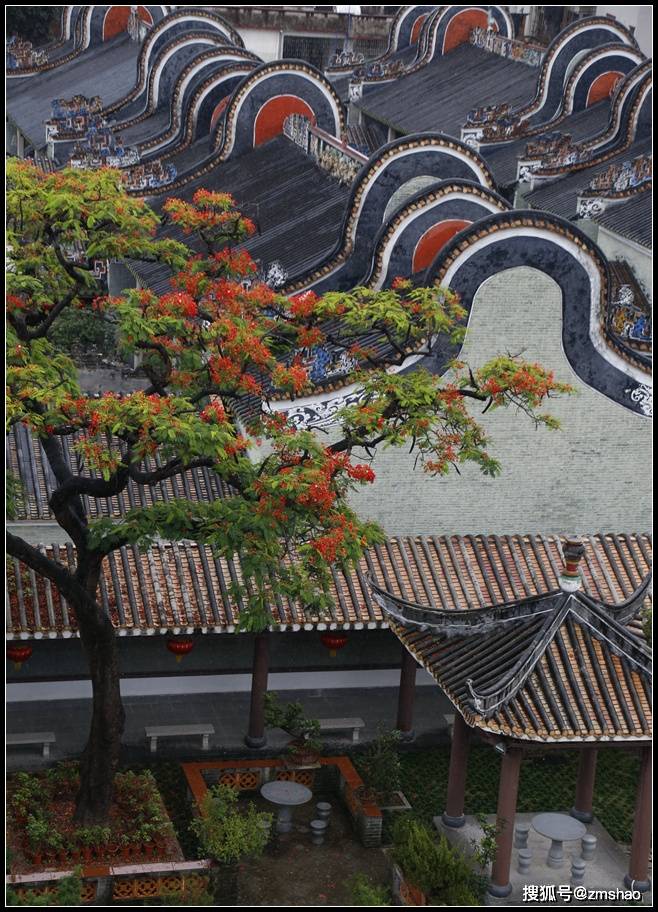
point(403, 32)
point(196, 95)
point(563, 51)
point(553, 246)
point(392, 166)
point(598, 75)
point(447, 206)
point(452, 25)
point(281, 78)
point(172, 30)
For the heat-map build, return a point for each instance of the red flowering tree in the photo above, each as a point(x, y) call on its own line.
point(219, 345)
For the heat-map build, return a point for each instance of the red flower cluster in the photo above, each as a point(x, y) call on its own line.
point(303, 305)
point(213, 412)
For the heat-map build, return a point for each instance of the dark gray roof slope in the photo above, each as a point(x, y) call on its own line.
point(561, 196)
point(502, 159)
point(440, 95)
point(109, 70)
point(297, 207)
point(631, 219)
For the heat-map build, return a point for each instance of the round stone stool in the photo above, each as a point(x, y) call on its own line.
point(525, 859)
point(588, 847)
point(318, 829)
point(577, 872)
point(521, 832)
point(323, 810)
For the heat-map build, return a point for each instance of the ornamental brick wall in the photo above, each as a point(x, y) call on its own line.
point(591, 475)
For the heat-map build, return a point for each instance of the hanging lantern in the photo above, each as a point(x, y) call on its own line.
point(180, 646)
point(18, 653)
point(334, 641)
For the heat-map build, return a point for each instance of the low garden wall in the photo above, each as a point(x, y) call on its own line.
point(119, 883)
point(249, 775)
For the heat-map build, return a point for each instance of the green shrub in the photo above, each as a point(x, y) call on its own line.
point(433, 865)
point(366, 893)
point(380, 764)
point(228, 833)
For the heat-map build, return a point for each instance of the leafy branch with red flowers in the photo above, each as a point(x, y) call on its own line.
point(219, 349)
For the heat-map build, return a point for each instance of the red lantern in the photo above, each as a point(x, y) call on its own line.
point(180, 646)
point(333, 641)
point(18, 653)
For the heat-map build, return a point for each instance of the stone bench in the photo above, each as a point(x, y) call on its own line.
point(153, 732)
point(343, 725)
point(45, 739)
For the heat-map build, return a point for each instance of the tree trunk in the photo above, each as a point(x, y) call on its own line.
point(100, 758)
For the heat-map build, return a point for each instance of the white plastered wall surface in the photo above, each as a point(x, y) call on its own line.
point(591, 475)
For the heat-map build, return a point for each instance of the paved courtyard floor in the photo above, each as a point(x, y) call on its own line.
point(295, 872)
point(227, 712)
point(604, 872)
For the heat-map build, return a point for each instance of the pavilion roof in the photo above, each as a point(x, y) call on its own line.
point(557, 666)
point(176, 587)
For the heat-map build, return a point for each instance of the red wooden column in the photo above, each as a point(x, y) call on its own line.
point(260, 667)
point(453, 816)
point(406, 692)
point(508, 789)
point(638, 866)
point(582, 809)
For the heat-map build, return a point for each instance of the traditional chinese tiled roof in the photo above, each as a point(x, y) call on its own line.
point(503, 158)
point(561, 196)
point(440, 95)
point(631, 219)
point(107, 70)
point(566, 665)
point(177, 587)
point(26, 461)
point(297, 207)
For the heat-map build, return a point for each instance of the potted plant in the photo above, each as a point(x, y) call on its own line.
point(85, 836)
point(44, 841)
point(380, 767)
point(306, 744)
point(227, 834)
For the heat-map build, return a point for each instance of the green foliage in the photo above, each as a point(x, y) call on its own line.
point(433, 865)
point(293, 720)
point(189, 897)
point(366, 893)
point(647, 624)
point(31, 797)
point(41, 834)
point(37, 24)
point(226, 832)
point(380, 764)
point(77, 331)
point(14, 496)
point(484, 850)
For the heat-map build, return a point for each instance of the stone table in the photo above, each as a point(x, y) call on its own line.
point(286, 795)
point(559, 828)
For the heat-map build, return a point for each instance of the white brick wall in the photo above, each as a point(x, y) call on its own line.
point(591, 475)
